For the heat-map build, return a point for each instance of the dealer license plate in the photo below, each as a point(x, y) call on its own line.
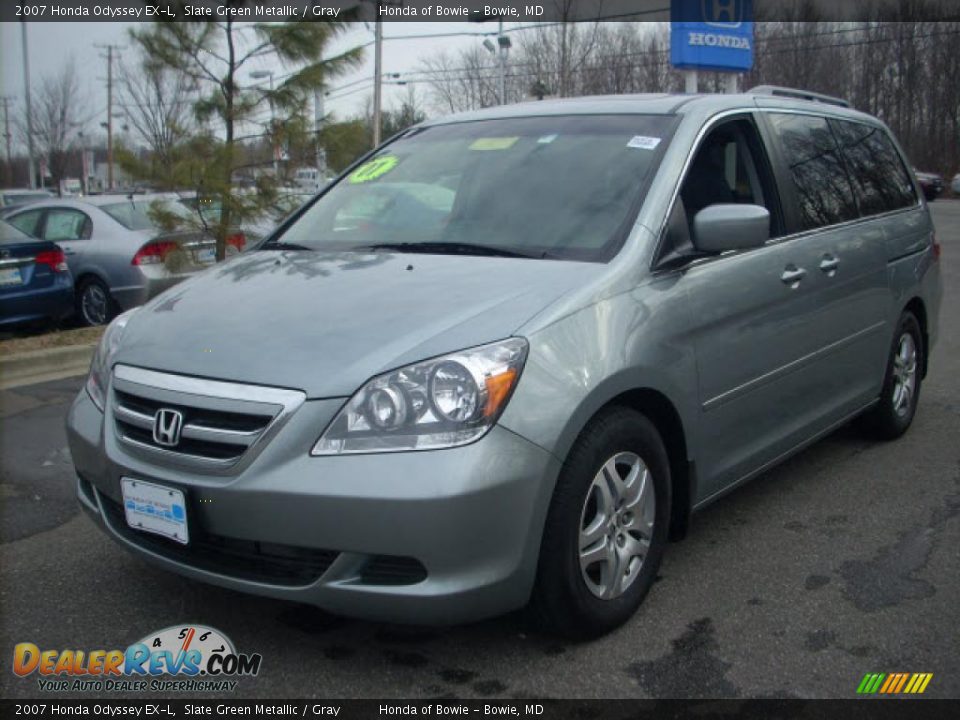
point(206, 255)
point(155, 509)
point(10, 276)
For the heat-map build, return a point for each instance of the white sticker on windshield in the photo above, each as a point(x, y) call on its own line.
point(547, 139)
point(643, 142)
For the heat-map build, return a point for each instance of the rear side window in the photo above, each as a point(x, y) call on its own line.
point(809, 150)
point(10, 235)
point(879, 176)
point(28, 222)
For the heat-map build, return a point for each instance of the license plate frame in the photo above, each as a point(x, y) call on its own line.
point(157, 509)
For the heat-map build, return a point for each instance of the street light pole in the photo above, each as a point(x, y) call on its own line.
point(377, 79)
point(26, 91)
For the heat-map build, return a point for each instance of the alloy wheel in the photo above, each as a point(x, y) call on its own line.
point(616, 525)
point(904, 374)
point(93, 304)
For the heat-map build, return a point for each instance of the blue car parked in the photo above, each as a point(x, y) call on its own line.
point(35, 282)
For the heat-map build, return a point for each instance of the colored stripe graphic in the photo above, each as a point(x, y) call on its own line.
point(894, 683)
point(890, 683)
point(870, 683)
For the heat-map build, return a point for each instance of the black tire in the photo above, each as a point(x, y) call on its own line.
point(886, 421)
point(88, 293)
point(562, 602)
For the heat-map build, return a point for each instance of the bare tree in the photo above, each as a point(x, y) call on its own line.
point(159, 106)
point(57, 119)
point(464, 81)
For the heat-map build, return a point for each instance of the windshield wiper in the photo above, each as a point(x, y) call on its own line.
point(283, 246)
point(450, 248)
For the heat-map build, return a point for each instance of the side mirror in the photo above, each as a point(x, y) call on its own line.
point(719, 228)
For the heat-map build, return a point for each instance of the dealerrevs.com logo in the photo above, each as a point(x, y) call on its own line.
point(200, 658)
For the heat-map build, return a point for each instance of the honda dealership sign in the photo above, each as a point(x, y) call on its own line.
point(711, 35)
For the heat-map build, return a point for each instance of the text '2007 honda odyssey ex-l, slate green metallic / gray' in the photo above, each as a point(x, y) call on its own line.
point(502, 358)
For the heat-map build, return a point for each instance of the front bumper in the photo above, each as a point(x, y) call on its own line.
point(471, 518)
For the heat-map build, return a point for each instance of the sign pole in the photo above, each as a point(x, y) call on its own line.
point(690, 82)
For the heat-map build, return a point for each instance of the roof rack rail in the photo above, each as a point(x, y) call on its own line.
point(797, 94)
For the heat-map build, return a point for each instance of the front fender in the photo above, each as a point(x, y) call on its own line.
point(579, 364)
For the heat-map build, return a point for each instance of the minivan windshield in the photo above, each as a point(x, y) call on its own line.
point(544, 187)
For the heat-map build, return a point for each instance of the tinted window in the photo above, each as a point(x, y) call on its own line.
point(27, 222)
point(876, 170)
point(545, 187)
point(63, 224)
point(823, 191)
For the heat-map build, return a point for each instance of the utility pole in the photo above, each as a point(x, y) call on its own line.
point(318, 113)
point(26, 92)
point(502, 50)
point(377, 79)
point(6, 134)
point(109, 48)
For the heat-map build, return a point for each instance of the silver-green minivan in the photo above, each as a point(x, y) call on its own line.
point(502, 358)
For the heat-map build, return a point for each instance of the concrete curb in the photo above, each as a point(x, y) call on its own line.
point(36, 366)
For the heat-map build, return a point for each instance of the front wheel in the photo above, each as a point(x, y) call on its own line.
point(891, 417)
point(606, 528)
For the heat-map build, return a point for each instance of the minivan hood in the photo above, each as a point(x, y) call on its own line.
point(325, 322)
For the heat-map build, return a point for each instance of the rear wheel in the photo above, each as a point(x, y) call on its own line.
point(606, 528)
point(95, 305)
point(891, 417)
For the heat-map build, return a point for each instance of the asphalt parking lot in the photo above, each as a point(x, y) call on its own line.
point(843, 561)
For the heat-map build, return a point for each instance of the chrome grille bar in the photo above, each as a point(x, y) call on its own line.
point(191, 431)
point(225, 424)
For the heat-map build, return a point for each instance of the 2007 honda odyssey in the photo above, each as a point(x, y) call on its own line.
point(503, 357)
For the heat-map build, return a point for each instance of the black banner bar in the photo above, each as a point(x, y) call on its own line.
point(864, 709)
point(443, 10)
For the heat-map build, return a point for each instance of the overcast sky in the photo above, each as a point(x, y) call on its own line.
point(53, 44)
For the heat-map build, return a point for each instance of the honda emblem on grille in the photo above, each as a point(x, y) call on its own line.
point(167, 424)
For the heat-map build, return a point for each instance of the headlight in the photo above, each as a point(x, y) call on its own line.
point(444, 402)
point(99, 376)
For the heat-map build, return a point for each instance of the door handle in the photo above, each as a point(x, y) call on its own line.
point(829, 265)
point(68, 251)
point(792, 275)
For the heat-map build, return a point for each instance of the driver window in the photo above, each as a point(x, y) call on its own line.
point(724, 171)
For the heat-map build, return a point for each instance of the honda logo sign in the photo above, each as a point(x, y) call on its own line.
point(167, 424)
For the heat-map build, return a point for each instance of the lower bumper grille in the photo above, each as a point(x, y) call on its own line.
point(393, 570)
point(269, 563)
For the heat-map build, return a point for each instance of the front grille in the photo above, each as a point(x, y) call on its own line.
point(270, 563)
point(222, 422)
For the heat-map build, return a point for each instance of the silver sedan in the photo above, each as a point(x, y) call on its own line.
point(116, 253)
